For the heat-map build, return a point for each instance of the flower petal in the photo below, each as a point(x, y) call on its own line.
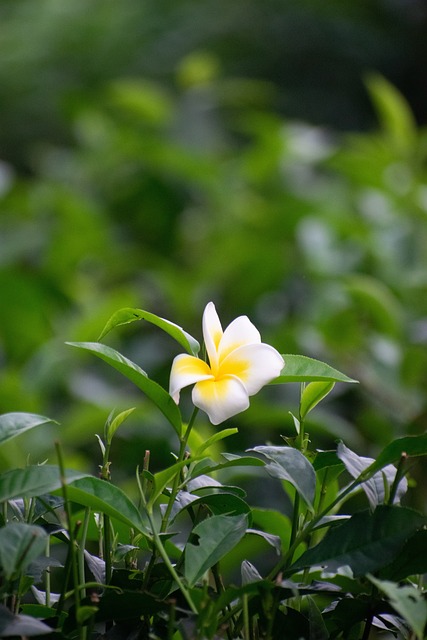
point(212, 333)
point(239, 332)
point(220, 399)
point(254, 364)
point(187, 370)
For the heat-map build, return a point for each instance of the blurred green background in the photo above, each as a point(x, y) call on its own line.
point(269, 156)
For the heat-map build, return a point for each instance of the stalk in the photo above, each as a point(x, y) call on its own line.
point(72, 541)
point(181, 455)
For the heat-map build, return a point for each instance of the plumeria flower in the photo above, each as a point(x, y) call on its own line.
point(239, 365)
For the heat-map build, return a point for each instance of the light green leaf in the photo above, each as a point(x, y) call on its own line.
point(394, 112)
point(312, 394)
point(103, 497)
point(127, 315)
point(302, 369)
point(216, 537)
point(114, 424)
point(33, 481)
point(220, 435)
point(20, 544)
point(291, 465)
point(408, 601)
point(162, 478)
point(133, 372)
point(12, 424)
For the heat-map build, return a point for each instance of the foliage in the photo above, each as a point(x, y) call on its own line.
point(188, 557)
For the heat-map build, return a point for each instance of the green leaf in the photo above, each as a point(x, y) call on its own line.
point(13, 424)
point(133, 372)
point(85, 613)
point(33, 481)
point(127, 605)
point(103, 497)
point(221, 503)
point(312, 394)
point(233, 460)
point(114, 424)
point(318, 630)
point(408, 601)
point(291, 465)
point(366, 542)
point(20, 544)
point(220, 435)
point(216, 537)
point(409, 445)
point(303, 369)
point(394, 112)
point(411, 561)
point(127, 315)
point(162, 478)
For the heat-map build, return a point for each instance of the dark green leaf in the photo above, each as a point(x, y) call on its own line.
point(127, 605)
point(412, 559)
point(127, 315)
point(133, 372)
point(302, 369)
point(12, 424)
point(216, 537)
point(318, 629)
point(366, 542)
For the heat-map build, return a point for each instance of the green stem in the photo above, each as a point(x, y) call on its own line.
point(72, 540)
point(47, 583)
point(176, 483)
point(81, 550)
point(400, 472)
point(295, 518)
point(107, 548)
point(285, 561)
point(162, 551)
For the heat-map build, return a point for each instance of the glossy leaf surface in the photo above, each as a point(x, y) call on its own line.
point(127, 315)
point(133, 372)
point(216, 537)
point(303, 369)
point(13, 424)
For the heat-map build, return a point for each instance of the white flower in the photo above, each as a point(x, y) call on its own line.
point(239, 365)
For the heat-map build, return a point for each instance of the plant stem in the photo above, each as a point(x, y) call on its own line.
point(400, 472)
point(107, 548)
point(175, 487)
point(162, 551)
point(47, 583)
point(81, 550)
point(72, 540)
point(285, 561)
